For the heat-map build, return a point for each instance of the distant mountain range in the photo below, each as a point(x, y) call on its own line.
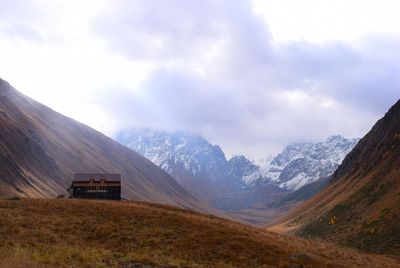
point(297, 165)
point(195, 163)
point(239, 182)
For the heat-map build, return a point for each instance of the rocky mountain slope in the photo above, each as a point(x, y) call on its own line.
point(360, 207)
point(40, 150)
point(195, 163)
point(191, 159)
point(297, 165)
point(50, 233)
point(302, 163)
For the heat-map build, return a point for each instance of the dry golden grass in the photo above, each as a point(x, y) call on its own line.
point(79, 233)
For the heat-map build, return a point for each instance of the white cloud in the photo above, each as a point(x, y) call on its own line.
point(212, 67)
point(327, 20)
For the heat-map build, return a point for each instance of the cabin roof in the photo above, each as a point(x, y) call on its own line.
point(97, 177)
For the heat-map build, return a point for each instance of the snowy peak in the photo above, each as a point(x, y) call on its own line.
point(302, 163)
point(193, 152)
point(297, 165)
point(242, 168)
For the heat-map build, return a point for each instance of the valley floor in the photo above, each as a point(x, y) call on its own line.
point(81, 233)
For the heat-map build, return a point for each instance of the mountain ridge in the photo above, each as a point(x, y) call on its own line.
point(41, 150)
point(239, 186)
point(196, 154)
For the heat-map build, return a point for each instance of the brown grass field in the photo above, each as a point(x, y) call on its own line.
point(79, 233)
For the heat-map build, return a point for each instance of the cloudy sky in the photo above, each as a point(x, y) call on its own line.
point(249, 75)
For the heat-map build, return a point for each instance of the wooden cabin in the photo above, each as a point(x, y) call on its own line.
point(96, 186)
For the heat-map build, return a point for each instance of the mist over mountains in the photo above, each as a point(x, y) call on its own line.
point(202, 134)
point(357, 199)
point(204, 170)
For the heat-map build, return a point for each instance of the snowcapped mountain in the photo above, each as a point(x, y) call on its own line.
point(250, 189)
point(203, 169)
point(170, 150)
point(302, 163)
point(242, 168)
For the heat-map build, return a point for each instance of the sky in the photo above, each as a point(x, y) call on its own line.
point(249, 75)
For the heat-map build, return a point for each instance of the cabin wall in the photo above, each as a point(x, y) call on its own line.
point(96, 192)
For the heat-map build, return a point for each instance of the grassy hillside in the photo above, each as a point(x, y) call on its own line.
point(40, 150)
point(360, 207)
point(81, 233)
